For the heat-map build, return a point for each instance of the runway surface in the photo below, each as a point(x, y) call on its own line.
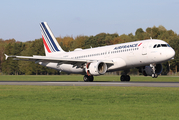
point(104, 83)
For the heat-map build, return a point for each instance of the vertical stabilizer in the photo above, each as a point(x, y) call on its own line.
point(50, 43)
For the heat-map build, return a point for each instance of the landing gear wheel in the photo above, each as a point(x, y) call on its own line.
point(122, 78)
point(87, 78)
point(91, 78)
point(153, 75)
point(128, 78)
point(125, 78)
point(156, 75)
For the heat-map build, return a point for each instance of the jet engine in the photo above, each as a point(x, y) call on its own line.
point(96, 68)
point(149, 70)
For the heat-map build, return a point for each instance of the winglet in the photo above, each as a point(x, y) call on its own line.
point(6, 56)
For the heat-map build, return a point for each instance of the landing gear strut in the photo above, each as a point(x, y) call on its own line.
point(154, 75)
point(87, 78)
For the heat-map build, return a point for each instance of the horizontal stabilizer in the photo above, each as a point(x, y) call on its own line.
point(7, 56)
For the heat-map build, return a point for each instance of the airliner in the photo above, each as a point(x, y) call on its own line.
point(146, 55)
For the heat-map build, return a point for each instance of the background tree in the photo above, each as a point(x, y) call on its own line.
point(174, 42)
point(139, 34)
point(68, 43)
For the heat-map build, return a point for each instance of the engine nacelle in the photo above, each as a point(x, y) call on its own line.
point(148, 71)
point(96, 68)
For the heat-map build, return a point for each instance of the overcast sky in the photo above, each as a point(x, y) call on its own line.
point(19, 19)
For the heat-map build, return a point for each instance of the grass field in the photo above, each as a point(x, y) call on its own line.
point(80, 78)
point(90, 102)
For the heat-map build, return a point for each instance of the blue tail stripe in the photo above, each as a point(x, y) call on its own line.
point(50, 37)
point(48, 42)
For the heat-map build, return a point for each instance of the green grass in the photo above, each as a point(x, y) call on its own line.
point(88, 102)
point(80, 78)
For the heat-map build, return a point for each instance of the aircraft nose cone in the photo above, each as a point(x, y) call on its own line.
point(170, 53)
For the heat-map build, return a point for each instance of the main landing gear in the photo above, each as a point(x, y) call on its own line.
point(125, 78)
point(87, 78)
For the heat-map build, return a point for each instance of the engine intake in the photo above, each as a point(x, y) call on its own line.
point(96, 68)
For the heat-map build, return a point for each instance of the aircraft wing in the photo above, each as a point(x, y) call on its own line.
point(38, 59)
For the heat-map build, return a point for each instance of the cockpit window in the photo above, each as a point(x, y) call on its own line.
point(168, 45)
point(158, 45)
point(161, 45)
point(155, 46)
point(164, 45)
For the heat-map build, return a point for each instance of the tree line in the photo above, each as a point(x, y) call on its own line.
point(69, 43)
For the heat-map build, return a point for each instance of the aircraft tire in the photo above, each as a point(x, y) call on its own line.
point(156, 75)
point(122, 78)
point(153, 75)
point(87, 78)
point(125, 78)
point(128, 78)
point(91, 78)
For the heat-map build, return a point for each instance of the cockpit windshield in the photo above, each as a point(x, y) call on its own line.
point(161, 45)
point(164, 45)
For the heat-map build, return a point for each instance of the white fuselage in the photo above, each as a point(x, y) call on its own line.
point(124, 56)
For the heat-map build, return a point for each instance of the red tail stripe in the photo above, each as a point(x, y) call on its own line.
point(46, 45)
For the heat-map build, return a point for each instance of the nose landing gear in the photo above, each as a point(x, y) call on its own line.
point(154, 75)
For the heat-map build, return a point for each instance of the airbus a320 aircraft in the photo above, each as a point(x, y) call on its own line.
point(146, 55)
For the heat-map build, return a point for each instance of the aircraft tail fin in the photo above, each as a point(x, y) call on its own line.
point(50, 43)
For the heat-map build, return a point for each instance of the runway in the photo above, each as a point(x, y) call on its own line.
point(76, 83)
